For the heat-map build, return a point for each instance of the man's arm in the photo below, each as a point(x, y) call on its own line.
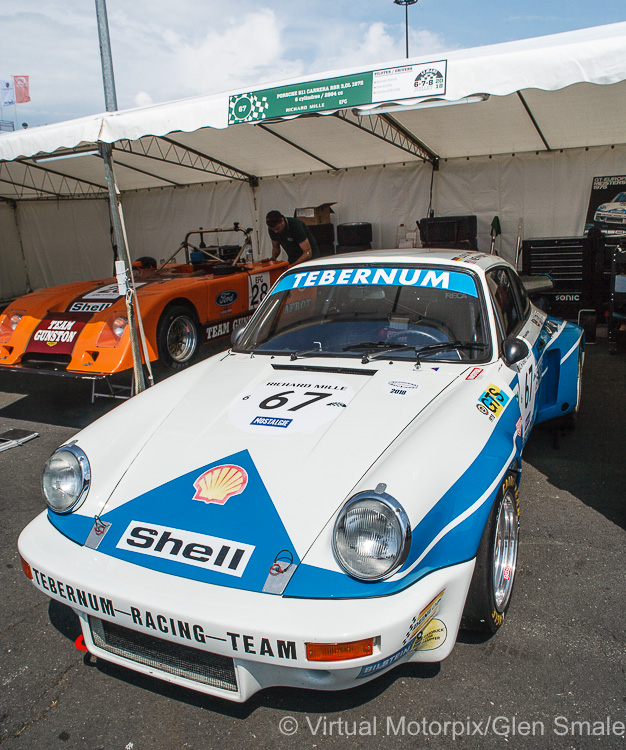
point(307, 252)
point(275, 250)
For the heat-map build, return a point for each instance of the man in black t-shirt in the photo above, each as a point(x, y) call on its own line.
point(293, 236)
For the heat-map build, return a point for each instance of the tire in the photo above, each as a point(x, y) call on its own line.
point(354, 233)
point(491, 588)
point(324, 233)
point(177, 337)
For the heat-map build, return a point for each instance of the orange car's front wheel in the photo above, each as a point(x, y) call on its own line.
point(177, 337)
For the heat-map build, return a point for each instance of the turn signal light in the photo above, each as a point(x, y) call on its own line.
point(26, 568)
point(339, 651)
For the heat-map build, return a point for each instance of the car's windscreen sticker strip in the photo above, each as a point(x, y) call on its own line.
point(452, 281)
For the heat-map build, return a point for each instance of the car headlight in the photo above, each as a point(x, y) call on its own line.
point(66, 478)
point(119, 326)
point(372, 536)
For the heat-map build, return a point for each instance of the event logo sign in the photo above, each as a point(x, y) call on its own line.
point(373, 87)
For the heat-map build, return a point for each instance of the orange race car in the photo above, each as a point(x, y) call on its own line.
point(81, 329)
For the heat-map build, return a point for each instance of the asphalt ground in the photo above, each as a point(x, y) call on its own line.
point(552, 677)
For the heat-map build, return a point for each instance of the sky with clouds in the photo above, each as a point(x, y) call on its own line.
point(164, 50)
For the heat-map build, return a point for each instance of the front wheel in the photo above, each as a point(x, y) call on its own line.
point(177, 337)
point(490, 591)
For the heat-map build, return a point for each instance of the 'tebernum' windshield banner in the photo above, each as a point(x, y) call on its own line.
point(417, 81)
point(435, 278)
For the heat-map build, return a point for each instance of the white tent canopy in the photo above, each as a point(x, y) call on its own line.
point(558, 103)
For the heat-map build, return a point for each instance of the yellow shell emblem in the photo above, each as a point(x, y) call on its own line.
point(219, 483)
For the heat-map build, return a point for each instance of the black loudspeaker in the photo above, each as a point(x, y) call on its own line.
point(449, 231)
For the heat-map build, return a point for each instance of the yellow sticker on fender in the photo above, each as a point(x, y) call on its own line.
point(492, 401)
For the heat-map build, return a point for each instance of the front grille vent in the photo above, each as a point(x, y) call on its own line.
point(47, 361)
point(174, 658)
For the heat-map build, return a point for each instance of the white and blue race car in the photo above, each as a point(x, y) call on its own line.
point(331, 497)
point(611, 217)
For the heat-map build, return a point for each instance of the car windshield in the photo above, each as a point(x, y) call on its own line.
point(366, 312)
point(620, 198)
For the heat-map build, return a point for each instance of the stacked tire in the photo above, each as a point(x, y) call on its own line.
point(325, 237)
point(355, 236)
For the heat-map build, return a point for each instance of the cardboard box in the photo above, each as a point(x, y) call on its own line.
point(315, 214)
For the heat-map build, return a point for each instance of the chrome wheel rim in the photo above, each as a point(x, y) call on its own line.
point(505, 551)
point(579, 382)
point(182, 338)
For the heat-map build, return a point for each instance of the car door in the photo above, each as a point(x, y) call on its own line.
point(516, 317)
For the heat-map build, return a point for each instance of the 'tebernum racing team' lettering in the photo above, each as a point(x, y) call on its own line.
point(147, 620)
point(77, 596)
point(58, 330)
point(282, 649)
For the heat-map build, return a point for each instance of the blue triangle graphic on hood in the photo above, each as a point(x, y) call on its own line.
point(187, 528)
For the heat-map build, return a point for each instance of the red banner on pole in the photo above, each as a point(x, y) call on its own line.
point(20, 84)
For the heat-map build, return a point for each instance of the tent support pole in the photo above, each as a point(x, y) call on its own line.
point(135, 325)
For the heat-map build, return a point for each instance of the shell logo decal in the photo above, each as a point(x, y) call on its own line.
point(219, 483)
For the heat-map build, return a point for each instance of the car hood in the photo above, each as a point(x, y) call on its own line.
point(257, 464)
point(613, 207)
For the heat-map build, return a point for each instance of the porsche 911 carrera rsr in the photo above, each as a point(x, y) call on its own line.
point(333, 496)
point(611, 217)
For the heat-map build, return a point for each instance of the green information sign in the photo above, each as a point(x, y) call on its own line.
point(331, 93)
point(391, 84)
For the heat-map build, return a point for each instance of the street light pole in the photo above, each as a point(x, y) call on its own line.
point(406, 4)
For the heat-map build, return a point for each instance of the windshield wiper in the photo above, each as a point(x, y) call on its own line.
point(441, 346)
point(304, 352)
point(375, 345)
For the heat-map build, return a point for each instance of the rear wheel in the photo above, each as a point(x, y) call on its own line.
point(490, 591)
point(177, 337)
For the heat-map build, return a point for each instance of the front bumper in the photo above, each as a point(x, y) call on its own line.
point(157, 624)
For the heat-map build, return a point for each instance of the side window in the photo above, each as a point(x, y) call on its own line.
point(504, 300)
point(522, 294)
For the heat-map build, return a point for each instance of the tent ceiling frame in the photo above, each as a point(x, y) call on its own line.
point(295, 145)
point(122, 164)
point(41, 182)
point(533, 120)
point(388, 129)
point(163, 149)
point(29, 187)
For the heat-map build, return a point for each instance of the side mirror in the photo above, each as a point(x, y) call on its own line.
point(514, 350)
point(237, 335)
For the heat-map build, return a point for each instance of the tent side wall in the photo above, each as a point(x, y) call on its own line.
point(68, 240)
point(158, 220)
point(13, 275)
